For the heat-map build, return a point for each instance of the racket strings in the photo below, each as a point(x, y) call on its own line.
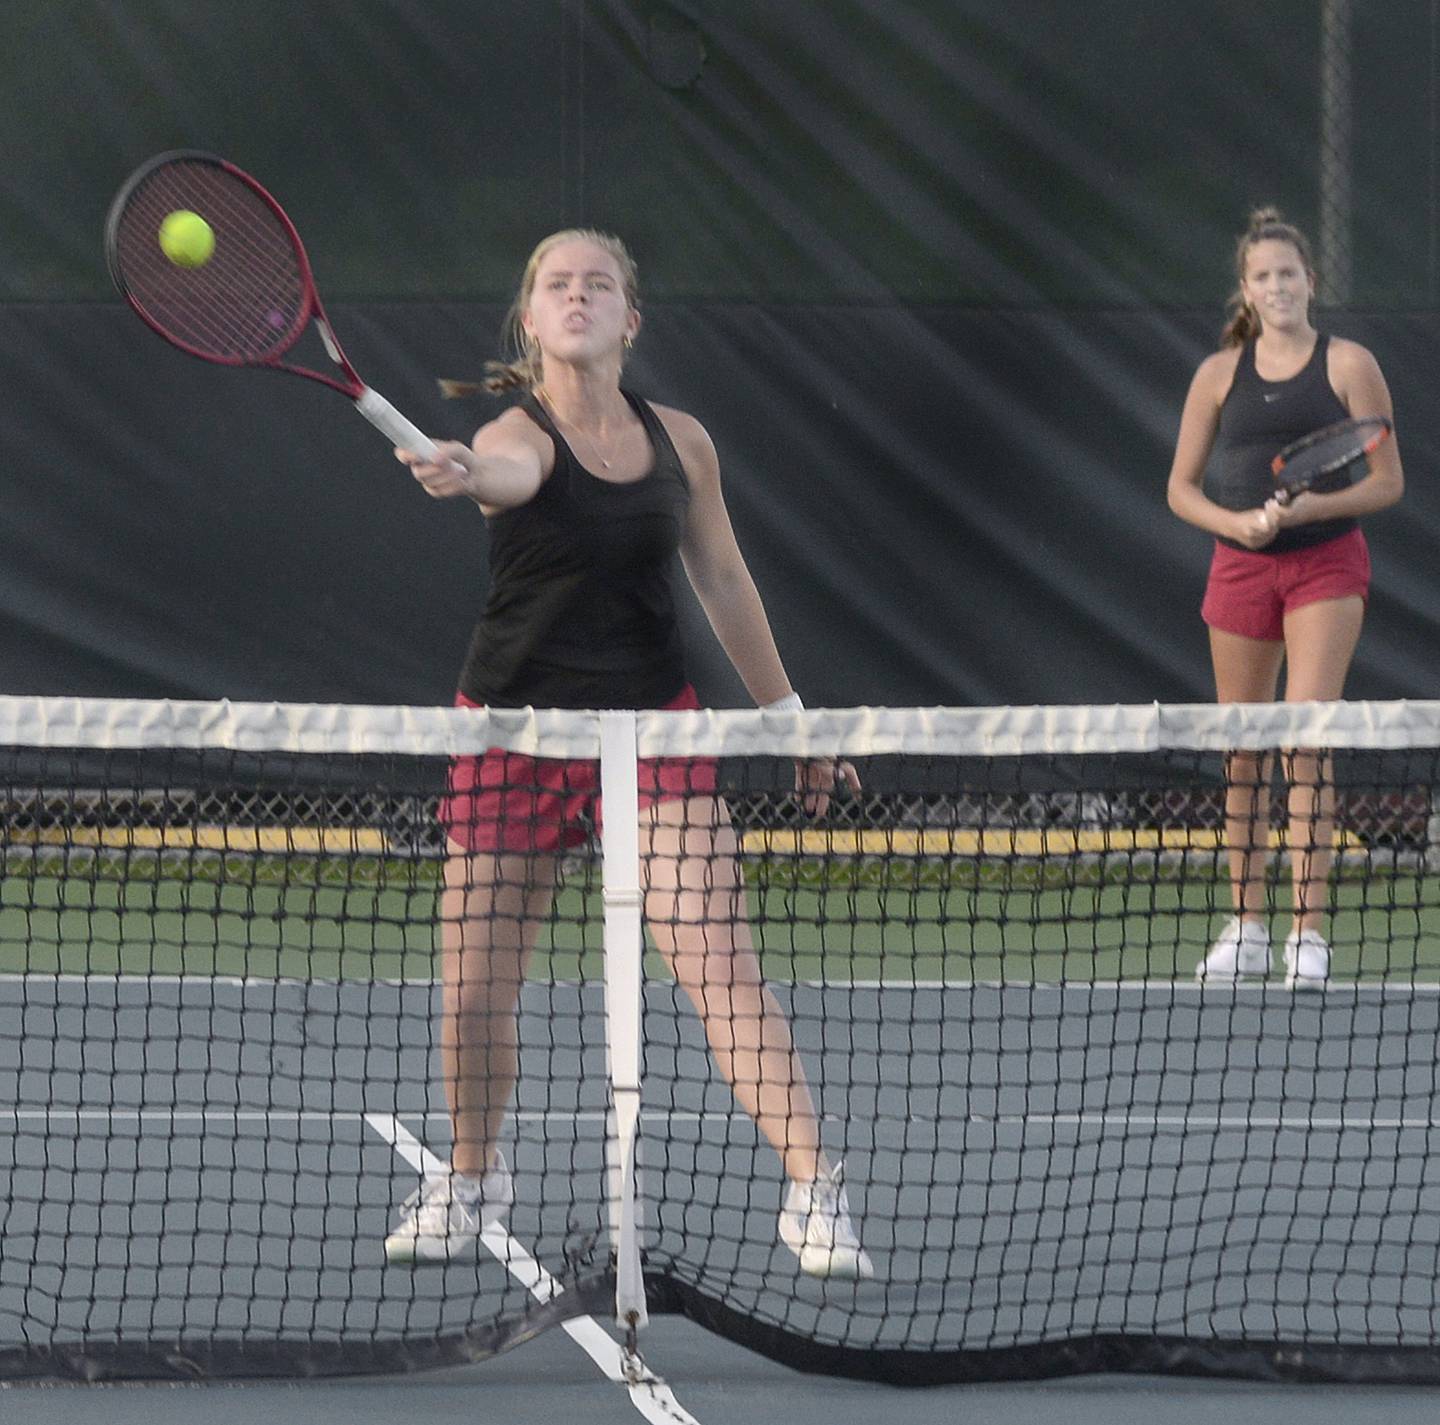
point(1327, 452)
point(249, 301)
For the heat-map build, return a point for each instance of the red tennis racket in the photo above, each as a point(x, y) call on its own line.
point(251, 301)
point(1331, 448)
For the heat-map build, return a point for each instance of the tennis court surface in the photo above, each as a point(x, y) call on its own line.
point(220, 1023)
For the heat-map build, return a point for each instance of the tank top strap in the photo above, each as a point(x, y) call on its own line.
point(667, 458)
point(551, 489)
point(646, 412)
point(535, 409)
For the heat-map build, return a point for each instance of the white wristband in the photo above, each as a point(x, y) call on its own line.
point(789, 703)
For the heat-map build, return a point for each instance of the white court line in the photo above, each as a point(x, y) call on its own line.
point(1187, 983)
point(1122, 1119)
point(648, 1392)
point(1202, 1120)
point(323, 1115)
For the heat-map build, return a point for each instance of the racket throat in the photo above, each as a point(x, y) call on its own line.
point(332, 347)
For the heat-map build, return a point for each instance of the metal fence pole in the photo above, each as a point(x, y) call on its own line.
point(1336, 108)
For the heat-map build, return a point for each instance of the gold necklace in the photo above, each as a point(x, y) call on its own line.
point(544, 398)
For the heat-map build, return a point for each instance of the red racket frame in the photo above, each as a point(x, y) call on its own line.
point(1282, 461)
point(310, 309)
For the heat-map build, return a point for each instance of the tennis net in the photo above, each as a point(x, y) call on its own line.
point(232, 938)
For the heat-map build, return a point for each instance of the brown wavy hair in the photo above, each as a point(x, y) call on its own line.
point(1242, 322)
point(521, 371)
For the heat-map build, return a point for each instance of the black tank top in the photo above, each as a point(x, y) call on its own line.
point(581, 611)
point(1257, 418)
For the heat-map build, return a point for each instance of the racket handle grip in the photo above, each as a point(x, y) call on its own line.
point(383, 416)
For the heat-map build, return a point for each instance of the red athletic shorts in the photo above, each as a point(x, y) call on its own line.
point(508, 801)
point(1250, 590)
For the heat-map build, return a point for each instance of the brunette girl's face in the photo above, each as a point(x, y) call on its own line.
point(578, 310)
point(1278, 285)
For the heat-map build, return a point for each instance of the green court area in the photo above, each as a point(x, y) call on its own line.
point(369, 918)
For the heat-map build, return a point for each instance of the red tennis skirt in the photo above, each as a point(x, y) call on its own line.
point(508, 801)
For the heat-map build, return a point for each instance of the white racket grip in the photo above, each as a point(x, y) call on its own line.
point(383, 416)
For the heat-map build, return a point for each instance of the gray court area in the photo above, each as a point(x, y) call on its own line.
point(1035, 1161)
point(218, 1157)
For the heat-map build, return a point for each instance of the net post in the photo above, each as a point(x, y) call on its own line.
point(624, 947)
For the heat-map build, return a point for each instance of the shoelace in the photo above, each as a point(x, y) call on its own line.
point(428, 1194)
point(825, 1198)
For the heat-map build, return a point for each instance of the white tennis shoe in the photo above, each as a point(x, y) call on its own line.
point(1240, 951)
point(1307, 960)
point(815, 1224)
point(446, 1214)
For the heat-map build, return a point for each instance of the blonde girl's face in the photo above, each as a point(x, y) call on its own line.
point(1277, 284)
point(578, 310)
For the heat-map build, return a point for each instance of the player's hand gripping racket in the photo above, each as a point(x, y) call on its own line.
point(241, 299)
point(1331, 448)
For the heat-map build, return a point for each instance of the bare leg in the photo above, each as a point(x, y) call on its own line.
point(1247, 670)
point(1320, 641)
point(1247, 830)
point(1312, 834)
point(492, 910)
point(696, 910)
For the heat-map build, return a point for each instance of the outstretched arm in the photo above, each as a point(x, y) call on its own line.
point(501, 468)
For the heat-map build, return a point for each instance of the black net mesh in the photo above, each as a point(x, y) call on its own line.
point(965, 997)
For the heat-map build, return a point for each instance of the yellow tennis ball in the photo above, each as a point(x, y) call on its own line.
point(187, 239)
